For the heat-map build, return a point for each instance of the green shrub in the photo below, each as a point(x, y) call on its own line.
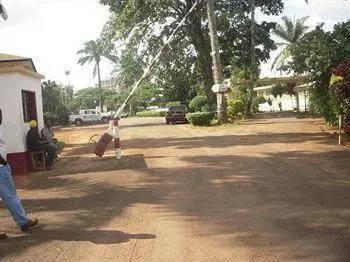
point(54, 118)
point(235, 107)
point(151, 114)
point(209, 108)
point(200, 118)
point(278, 90)
point(257, 101)
point(260, 100)
point(198, 102)
point(172, 103)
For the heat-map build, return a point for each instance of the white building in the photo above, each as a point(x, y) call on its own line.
point(21, 102)
point(298, 101)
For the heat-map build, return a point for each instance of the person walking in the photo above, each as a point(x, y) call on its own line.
point(8, 191)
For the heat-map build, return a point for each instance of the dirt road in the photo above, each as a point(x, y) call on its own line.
point(266, 190)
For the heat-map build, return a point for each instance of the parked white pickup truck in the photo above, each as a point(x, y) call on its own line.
point(79, 117)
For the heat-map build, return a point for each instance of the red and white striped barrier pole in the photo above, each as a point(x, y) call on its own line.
point(115, 132)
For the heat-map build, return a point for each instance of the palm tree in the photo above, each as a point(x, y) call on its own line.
point(3, 12)
point(290, 32)
point(93, 51)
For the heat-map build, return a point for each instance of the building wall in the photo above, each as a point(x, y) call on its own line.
point(288, 103)
point(13, 126)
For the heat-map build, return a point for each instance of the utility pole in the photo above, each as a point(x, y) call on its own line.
point(217, 68)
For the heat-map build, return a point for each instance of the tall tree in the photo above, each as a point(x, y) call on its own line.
point(249, 108)
point(290, 32)
point(317, 54)
point(94, 51)
point(139, 19)
point(3, 12)
point(217, 67)
point(51, 96)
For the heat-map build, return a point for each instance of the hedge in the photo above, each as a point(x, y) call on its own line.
point(173, 103)
point(151, 114)
point(198, 102)
point(200, 118)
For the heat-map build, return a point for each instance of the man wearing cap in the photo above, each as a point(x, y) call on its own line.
point(8, 191)
point(34, 143)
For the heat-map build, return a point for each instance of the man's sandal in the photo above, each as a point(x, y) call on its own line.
point(3, 235)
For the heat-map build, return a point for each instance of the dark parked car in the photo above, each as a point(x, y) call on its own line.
point(176, 114)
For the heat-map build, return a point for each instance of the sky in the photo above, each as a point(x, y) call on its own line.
point(52, 31)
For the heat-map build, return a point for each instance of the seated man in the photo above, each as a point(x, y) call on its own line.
point(34, 143)
point(47, 134)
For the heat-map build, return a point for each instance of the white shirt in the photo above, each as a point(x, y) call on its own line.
point(2, 146)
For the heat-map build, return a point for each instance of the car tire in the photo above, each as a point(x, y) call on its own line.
point(78, 122)
point(104, 120)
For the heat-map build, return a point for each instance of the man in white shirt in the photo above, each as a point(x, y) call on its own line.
point(8, 191)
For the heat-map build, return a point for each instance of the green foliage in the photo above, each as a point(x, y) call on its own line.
point(200, 118)
point(335, 79)
point(234, 109)
point(316, 54)
point(198, 102)
point(278, 90)
point(341, 87)
point(149, 95)
point(260, 100)
point(240, 92)
point(257, 101)
point(151, 114)
point(55, 119)
point(89, 98)
point(290, 32)
point(94, 51)
point(173, 103)
point(53, 102)
point(188, 61)
point(209, 108)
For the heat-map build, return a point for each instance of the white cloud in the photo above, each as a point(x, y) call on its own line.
point(53, 34)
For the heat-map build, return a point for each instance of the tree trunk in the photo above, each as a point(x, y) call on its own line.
point(217, 69)
point(249, 110)
point(99, 86)
point(202, 47)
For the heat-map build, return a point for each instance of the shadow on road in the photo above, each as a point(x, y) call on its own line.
point(99, 237)
point(291, 204)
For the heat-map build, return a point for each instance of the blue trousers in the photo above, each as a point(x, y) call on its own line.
point(9, 196)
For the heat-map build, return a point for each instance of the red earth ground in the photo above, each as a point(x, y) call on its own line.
point(265, 190)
